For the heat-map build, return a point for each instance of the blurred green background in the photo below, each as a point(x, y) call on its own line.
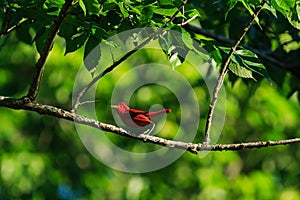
point(43, 158)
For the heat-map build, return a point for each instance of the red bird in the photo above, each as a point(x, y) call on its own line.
point(137, 118)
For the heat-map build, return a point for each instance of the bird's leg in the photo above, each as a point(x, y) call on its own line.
point(148, 132)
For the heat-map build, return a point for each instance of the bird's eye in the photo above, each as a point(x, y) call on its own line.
point(120, 106)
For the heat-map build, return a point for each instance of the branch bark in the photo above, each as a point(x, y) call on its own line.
point(26, 104)
point(224, 72)
point(40, 65)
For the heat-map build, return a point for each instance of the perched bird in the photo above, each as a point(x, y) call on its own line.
point(137, 118)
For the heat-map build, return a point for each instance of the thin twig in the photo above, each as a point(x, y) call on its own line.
point(14, 27)
point(27, 104)
point(40, 65)
point(223, 73)
point(123, 58)
point(87, 102)
point(183, 23)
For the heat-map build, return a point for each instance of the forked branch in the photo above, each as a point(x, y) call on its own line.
point(223, 73)
point(40, 65)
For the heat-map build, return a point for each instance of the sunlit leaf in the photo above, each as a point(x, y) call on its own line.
point(271, 9)
point(285, 4)
point(216, 55)
point(175, 60)
point(82, 6)
point(122, 9)
point(293, 16)
point(192, 13)
point(92, 6)
point(166, 2)
point(239, 70)
point(252, 62)
point(166, 11)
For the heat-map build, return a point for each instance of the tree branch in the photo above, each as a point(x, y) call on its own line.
point(123, 58)
point(7, 31)
point(26, 104)
point(40, 65)
point(224, 72)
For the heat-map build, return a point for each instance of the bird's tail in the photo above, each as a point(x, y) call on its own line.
point(153, 114)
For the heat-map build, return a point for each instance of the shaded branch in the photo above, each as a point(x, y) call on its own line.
point(26, 104)
point(224, 72)
point(40, 65)
point(7, 31)
point(123, 58)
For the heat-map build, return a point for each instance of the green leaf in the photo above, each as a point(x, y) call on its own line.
point(76, 42)
point(136, 10)
point(191, 13)
point(245, 52)
point(293, 16)
point(187, 39)
point(52, 7)
point(166, 2)
point(259, 68)
point(224, 49)
point(271, 9)
point(231, 4)
point(175, 60)
point(41, 39)
point(247, 6)
point(99, 33)
point(166, 11)
point(67, 30)
point(92, 6)
point(147, 14)
point(173, 47)
point(82, 6)
point(239, 70)
point(92, 54)
point(285, 4)
point(252, 62)
point(122, 9)
point(277, 7)
point(216, 55)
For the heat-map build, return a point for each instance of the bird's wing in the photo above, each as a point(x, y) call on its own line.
point(142, 120)
point(133, 112)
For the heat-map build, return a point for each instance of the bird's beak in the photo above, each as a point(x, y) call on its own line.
point(114, 106)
